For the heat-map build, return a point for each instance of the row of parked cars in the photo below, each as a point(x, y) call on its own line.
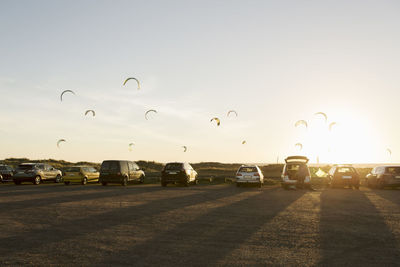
point(111, 171)
point(295, 174)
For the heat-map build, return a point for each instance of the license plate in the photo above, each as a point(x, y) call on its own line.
point(397, 177)
point(172, 173)
point(347, 177)
point(71, 174)
point(247, 176)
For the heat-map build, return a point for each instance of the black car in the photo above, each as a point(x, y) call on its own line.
point(344, 175)
point(6, 173)
point(36, 173)
point(384, 176)
point(121, 172)
point(178, 172)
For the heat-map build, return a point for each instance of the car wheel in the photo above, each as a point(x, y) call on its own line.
point(104, 183)
point(17, 182)
point(36, 180)
point(141, 180)
point(187, 182)
point(58, 179)
point(163, 184)
point(66, 183)
point(196, 181)
point(260, 185)
point(124, 182)
point(84, 181)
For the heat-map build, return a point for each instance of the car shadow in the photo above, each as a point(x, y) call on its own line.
point(353, 232)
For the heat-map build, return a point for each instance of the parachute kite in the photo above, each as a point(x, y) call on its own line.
point(323, 114)
point(66, 91)
point(90, 110)
point(243, 142)
point(184, 148)
point(147, 112)
point(59, 142)
point(320, 173)
point(331, 125)
point(131, 146)
point(217, 120)
point(389, 151)
point(299, 145)
point(231, 111)
point(301, 122)
point(132, 78)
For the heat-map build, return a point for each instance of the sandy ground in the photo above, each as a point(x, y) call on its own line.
point(204, 225)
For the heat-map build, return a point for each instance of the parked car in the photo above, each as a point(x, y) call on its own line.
point(249, 174)
point(36, 173)
point(291, 173)
point(344, 175)
point(121, 172)
point(384, 176)
point(6, 173)
point(178, 172)
point(80, 174)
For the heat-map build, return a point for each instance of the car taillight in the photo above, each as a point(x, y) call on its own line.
point(238, 174)
point(118, 174)
point(257, 174)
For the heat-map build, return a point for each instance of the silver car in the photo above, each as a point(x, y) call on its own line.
point(249, 174)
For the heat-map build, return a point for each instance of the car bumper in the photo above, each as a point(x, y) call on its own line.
point(249, 181)
point(73, 179)
point(293, 182)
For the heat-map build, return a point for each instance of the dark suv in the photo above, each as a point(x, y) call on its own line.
point(121, 172)
point(6, 173)
point(36, 173)
point(384, 176)
point(178, 172)
point(344, 175)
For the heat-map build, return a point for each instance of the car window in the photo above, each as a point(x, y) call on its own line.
point(393, 170)
point(248, 169)
point(72, 169)
point(131, 166)
point(25, 167)
point(345, 169)
point(173, 167)
point(110, 166)
point(92, 169)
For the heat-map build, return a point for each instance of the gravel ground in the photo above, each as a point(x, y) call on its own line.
point(203, 225)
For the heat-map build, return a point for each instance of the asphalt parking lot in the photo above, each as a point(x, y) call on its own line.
point(53, 224)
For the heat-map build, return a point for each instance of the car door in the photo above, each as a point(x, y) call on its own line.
point(137, 172)
point(45, 171)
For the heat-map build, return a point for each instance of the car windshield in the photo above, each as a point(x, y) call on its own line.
point(248, 169)
point(26, 167)
point(346, 170)
point(393, 170)
point(173, 167)
point(73, 169)
point(3, 168)
point(293, 167)
point(110, 166)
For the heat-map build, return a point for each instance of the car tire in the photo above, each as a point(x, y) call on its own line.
point(17, 182)
point(196, 182)
point(58, 179)
point(36, 180)
point(187, 182)
point(260, 185)
point(141, 180)
point(163, 184)
point(84, 181)
point(66, 183)
point(103, 183)
point(124, 181)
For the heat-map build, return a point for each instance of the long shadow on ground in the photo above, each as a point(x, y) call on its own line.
point(42, 240)
point(209, 238)
point(353, 232)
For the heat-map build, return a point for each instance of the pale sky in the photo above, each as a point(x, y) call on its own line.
point(274, 62)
